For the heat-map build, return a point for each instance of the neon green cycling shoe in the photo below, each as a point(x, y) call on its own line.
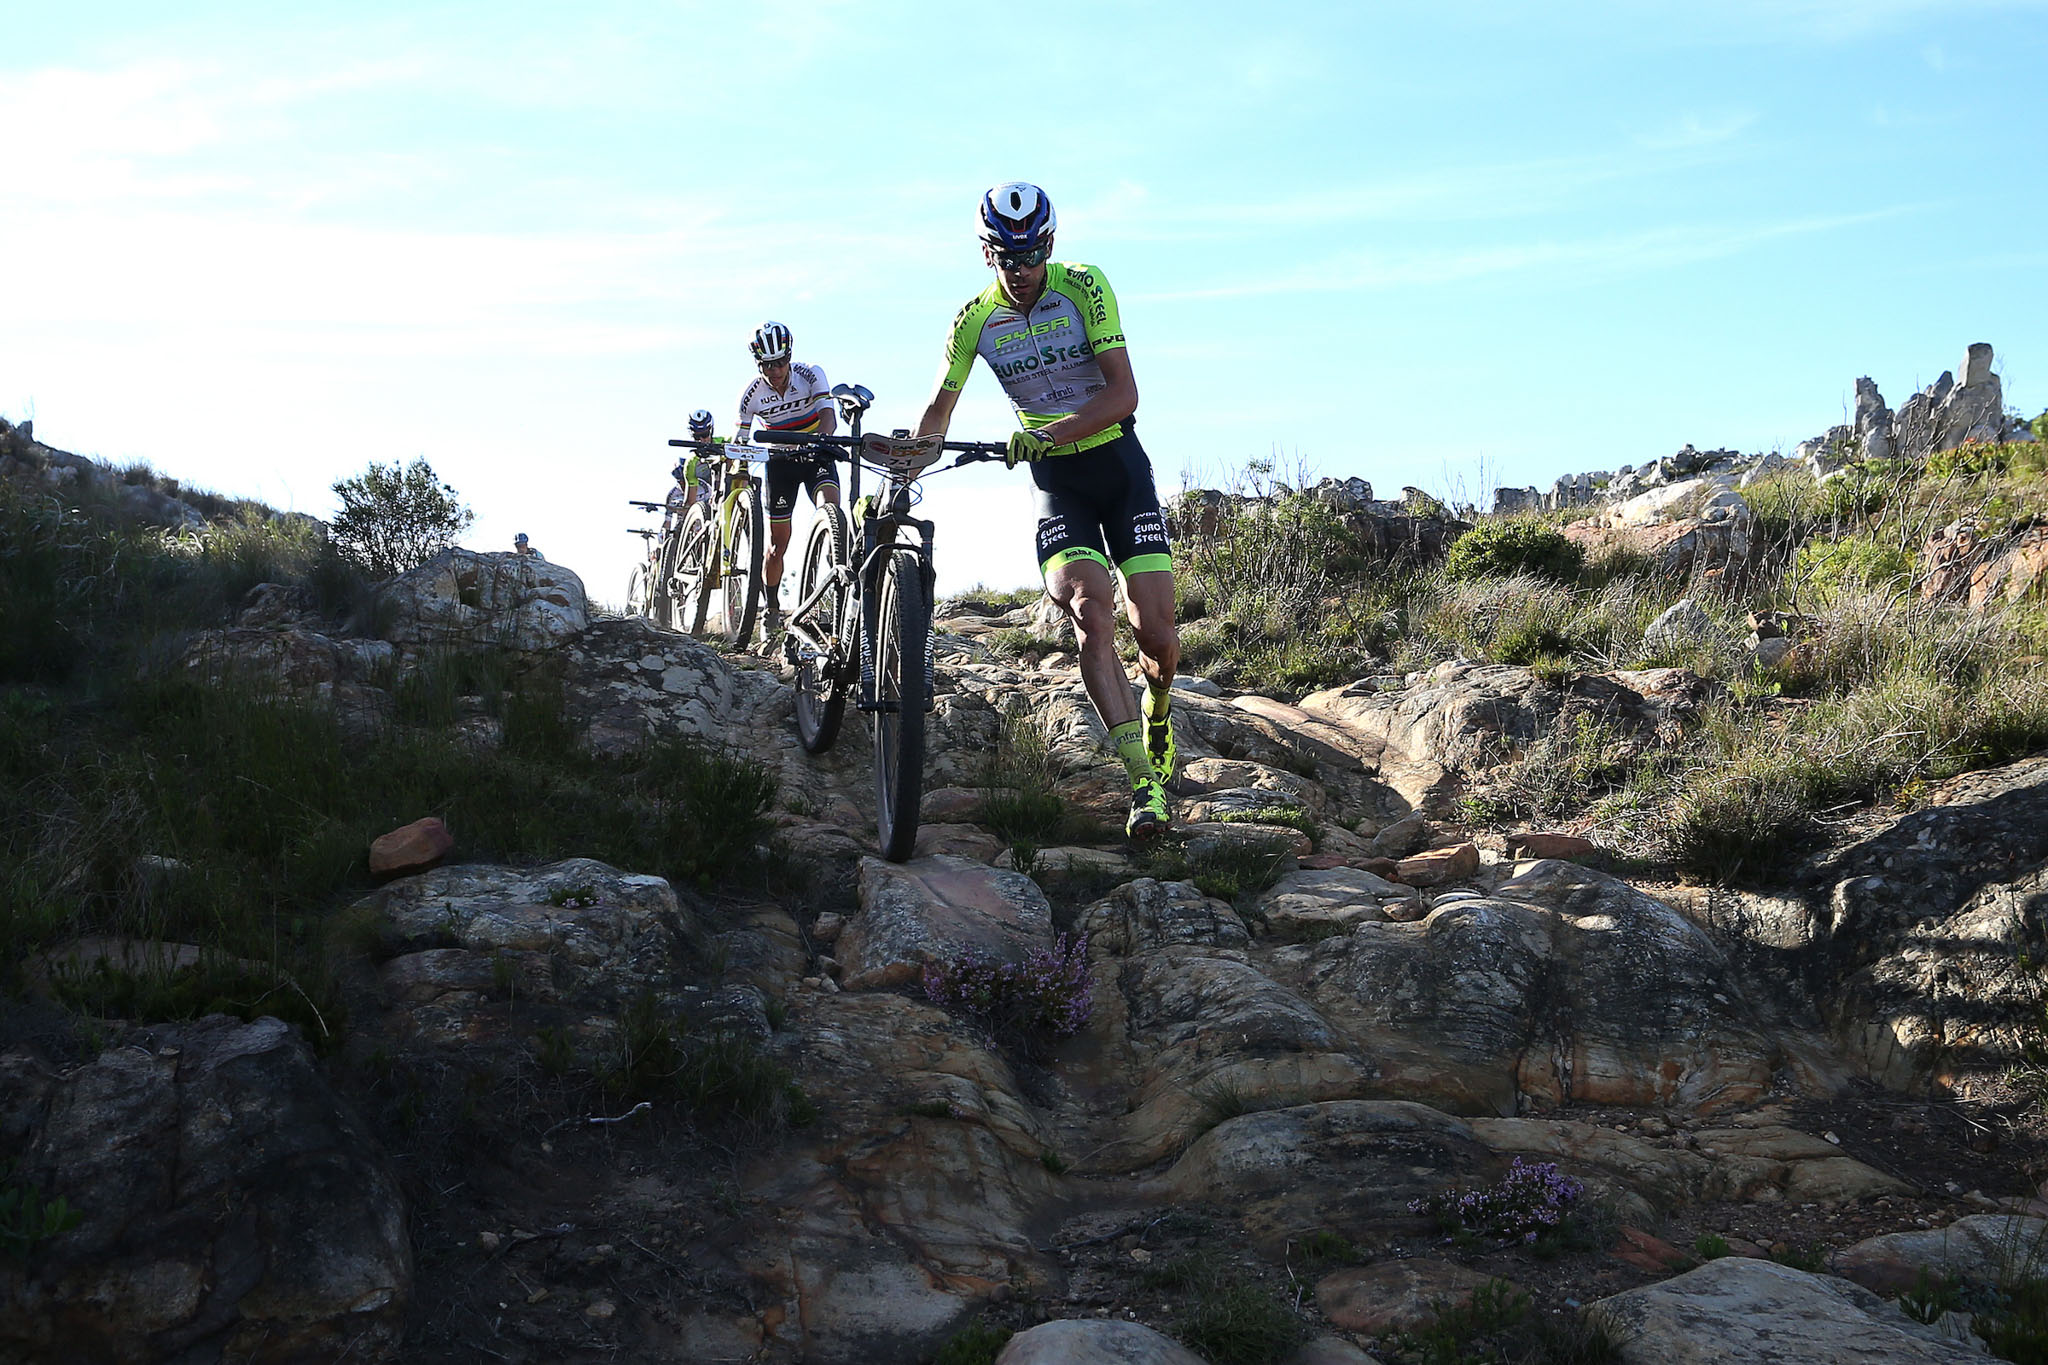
point(1149, 816)
point(1160, 748)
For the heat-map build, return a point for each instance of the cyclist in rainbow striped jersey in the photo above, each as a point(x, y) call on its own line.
point(786, 396)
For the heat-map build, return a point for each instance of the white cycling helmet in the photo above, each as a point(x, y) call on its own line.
point(771, 342)
point(1016, 217)
point(700, 423)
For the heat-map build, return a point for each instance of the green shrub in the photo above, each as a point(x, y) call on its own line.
point(27, 1218)
point(1233, 1322)
point(396, 518)
point(1504, 548)
point(715, 1075)
point(1856, 563)
point(978, 1343)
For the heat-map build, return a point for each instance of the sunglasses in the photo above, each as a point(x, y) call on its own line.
point(772, 364)
point(1019, 260)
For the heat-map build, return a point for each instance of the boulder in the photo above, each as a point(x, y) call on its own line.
point(1314, 904)
point(229, 1206)
point(1738, 1311)
point(1682, 626)
point(1439, 866)
point(936, 910)
point(1983, 1249)
point(578, 937)
point(1083, 1341)
point(410, 848)
point(465, 599)
point(1570, 847)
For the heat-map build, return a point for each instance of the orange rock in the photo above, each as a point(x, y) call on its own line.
point(411, 848)
point(1639, 1249)
point(1395, 1295)
point(1439, 866)
point(1568, 846)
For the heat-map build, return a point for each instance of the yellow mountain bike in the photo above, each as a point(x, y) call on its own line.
point(720, 546)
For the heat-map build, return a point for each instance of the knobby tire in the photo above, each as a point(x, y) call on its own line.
point(743, 582)
point(821, 683)
point(696, 559)
point(902, 623)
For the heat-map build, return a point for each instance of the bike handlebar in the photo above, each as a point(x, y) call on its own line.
point(646, 506)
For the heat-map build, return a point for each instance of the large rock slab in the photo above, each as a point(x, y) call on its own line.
point(1920, 932)
point(1568, 984)
point(937, 910)
point(230, 1206)
point(1395, 1296)
point(1079, 1341)
point(916, 1195)
point(577, 939)
point(1984, 1249)
point(1350, 1166)
point(464, 599)
point(1462, 717)
point(1740, 1311)
point(1316, 904)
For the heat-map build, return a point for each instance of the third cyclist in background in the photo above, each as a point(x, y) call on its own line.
point(692, 473)
point(786, 397)
point(1051, 333)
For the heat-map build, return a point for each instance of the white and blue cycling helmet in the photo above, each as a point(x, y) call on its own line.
point(1016, 217)
point(700, 424)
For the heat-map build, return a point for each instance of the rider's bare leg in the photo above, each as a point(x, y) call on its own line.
point(771, 568)
point(1149, 599)
point(1088, 595)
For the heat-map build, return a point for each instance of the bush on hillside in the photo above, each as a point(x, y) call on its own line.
point(1502, 549)
point(1861, 563)
point(397, 518)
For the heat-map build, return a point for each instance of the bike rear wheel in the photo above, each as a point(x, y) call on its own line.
point(821, 680)
point(902, 624)
point(689, 595)
point(743, 568)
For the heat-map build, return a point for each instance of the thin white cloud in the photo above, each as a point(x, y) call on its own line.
point(1696, 130)
point(1560, 261)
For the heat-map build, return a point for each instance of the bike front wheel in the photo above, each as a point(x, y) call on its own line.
point(743, 568)
point(902, 623)
point(821, 677)
point(695, 572)
point(636, 591)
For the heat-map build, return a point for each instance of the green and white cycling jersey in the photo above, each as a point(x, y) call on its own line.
point(1046, 363)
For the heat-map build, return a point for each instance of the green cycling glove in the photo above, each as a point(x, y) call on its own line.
point(1027, 447)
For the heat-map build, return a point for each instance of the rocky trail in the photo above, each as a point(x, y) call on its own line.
point(1781, 1110)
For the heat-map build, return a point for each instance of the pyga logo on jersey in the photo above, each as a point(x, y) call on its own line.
point(1036, 329)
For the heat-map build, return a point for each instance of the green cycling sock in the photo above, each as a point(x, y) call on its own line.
point(1129, 741)
point(1157, 700)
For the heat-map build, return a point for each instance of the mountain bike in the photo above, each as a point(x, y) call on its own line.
point(645, 581)
point(720, 545)
point(862, 624)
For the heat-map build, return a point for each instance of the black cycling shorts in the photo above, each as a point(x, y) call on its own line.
point(1100, 504)
point(786, 475)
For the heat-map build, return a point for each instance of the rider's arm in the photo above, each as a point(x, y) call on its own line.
point(1118, 400)
point(938, 414)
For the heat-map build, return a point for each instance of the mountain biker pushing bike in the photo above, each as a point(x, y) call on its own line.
point(1052, 334)
point(692, 474)
point(786, 397)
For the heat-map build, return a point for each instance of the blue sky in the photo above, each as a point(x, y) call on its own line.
point(1448, 246)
